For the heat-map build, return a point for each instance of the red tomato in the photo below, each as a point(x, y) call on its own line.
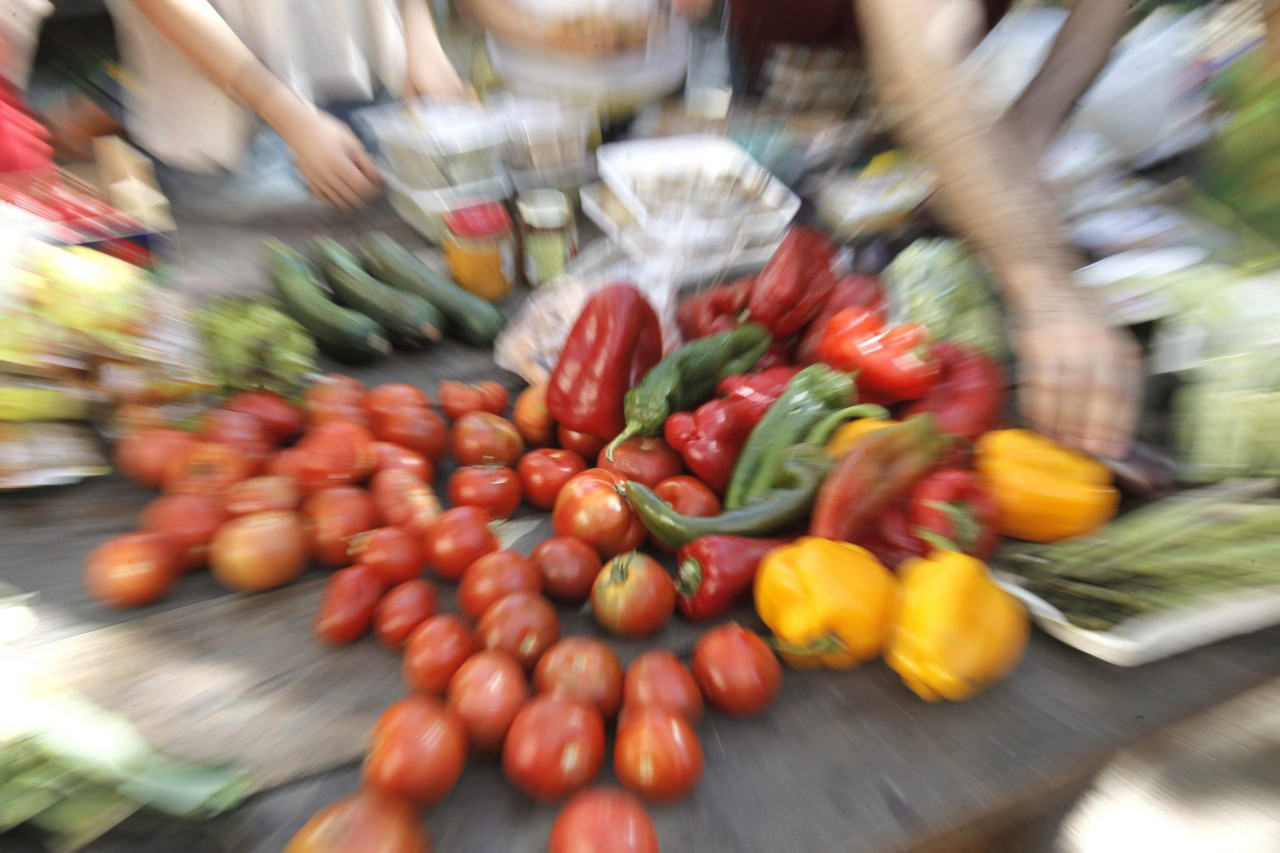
point(346, 608)
point(263, 494)
point(460, 398)
point(522, 624)
point(584, 444)
point(405, 501)
point(281, 419)
point(569, 567)
point(633, 595)
point(235, 429)
point(435, 650)
point(582, 668)
point(457, 539)
point(416, 752)
point(687, 496)
point(146, 456)
point(487, 692)
point(544, 472)
point(285, 463)
point(207, 469)
point(335, 398)
point(363, 821)
point(189, 520)
point(415, 428)
point(131, 569)
point(590, 508)
point(531, 416)
point(481, 438)
point(260, 551)
point(602, 820)
point(493, 577)
point(659, 678)
point(658, 755)
point(736, 670)
point(393, 456)
point(403, 609)
point(335, 454)
point(393, 555)
point(493, 488)
point(645, 459)
point(391, 396)
point(332, 517)
point(554, 747)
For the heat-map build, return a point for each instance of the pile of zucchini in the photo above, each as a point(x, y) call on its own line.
point(383, 298)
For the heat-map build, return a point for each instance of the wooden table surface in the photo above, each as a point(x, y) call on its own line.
point(842, 762)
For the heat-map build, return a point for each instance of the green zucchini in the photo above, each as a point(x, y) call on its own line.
point(470, 318)
point(346, 335)
point(412, 321)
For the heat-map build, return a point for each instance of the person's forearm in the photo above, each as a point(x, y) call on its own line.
point(1078, 54)
point(504, 22)
point(420, 36)
point(989, 185)
point(205, 39)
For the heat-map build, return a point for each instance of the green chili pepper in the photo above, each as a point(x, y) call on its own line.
point(688, 377)
point(800, 473)
point(813, 394)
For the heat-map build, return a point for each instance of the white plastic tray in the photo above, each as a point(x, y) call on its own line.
point(624, 164)
point(1151, 638)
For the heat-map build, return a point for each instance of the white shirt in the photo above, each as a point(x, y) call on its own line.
point(324, 50)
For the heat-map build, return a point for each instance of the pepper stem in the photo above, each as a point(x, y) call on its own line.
point(620, 568)
point(631, 429)
point(829, 643)
point(828, 425)
point(689, 577)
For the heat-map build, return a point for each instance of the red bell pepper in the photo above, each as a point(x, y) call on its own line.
point(716, 309)
point(969, 397)
point(892, 364)
point(757, 390)
point(796, 282)
point(779, 354)
point(716, 572)
point(950, 508)
point(853, 291)
point(612, 345)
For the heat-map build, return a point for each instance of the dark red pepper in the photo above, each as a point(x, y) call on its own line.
point(612, 345)
point(717, 309)
point(779, 354)
point(796, 282)
point(969, 397)
point(950, 508)
point(853, 291)
point(716, 572)
point(757, 390)
point(892, 364)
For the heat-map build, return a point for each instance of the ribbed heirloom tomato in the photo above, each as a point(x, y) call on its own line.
point(582, 668)
point(645, 459)
point(145, 456)
point(189, 520)
point(603, 820)
point(657, 754)
point(554, 747)
point(591, 508)
point(481, 438)
point(402, 610)
point(258, 552)
point(347, 605)
point(659, 678)
point(522, 624)
point(736, 670)
point(487, 692)
point(457, 539)
point(435, 650)
point(493, 488)
point(569, 567)
point(416, 752)
point(131, 569)
point(633, 595)
point(461, 398)
point(392, 554)
point(492, 578)
point(366, 822)
point(531, 416)
point(544, 472)
point(332, 517)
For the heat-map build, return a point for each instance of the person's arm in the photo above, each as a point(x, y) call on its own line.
point(1078, 54)
point(330, 158)
point(1080, 380)
point(430, 73)
point(585, 37)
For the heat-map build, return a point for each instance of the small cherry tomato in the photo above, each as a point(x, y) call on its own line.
point(282, 420)
point(415, 428)
point(522, 624)
point(333, 517)
point(487, 692)
point(392, 554)
point(590, 508)
point(544, 472)
point(257, 552)
point(569, 567)
point(131, 569)
point(645, 459)
point(531, 416)
point(147, 455)
point(493, 488)
point(457, 539)
point(189, 520)
point(347, 605)
point(481, 438)
point(263, 494)
point(584, 444)
point(659, 678)
point(393, 456)
point(405, 501)
point(493, 577)
point(364, 821)
point(736, 670)
point(207, 469)
point(461, 398)
point(554, 747)
point(582, 668)
point(658, 755)
point(391, 396)
point(403, 609)
point(435, 650)
point(602, 820)
point(416, 752)
point(633, 595)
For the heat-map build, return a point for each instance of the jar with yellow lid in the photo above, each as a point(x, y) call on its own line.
point(479, 246)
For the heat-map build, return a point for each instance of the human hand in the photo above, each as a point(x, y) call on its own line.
point(1080, 379)
point(331, 160)
point(435, 78)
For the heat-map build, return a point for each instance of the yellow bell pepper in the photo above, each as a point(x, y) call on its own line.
point(829, 604)
point(1044, 492)
point(958, 631)
point(851, 433)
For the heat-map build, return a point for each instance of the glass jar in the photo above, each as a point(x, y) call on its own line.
point(479, 246)
point(548, 234)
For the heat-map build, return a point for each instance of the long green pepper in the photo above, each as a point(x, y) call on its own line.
point(688, 377)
